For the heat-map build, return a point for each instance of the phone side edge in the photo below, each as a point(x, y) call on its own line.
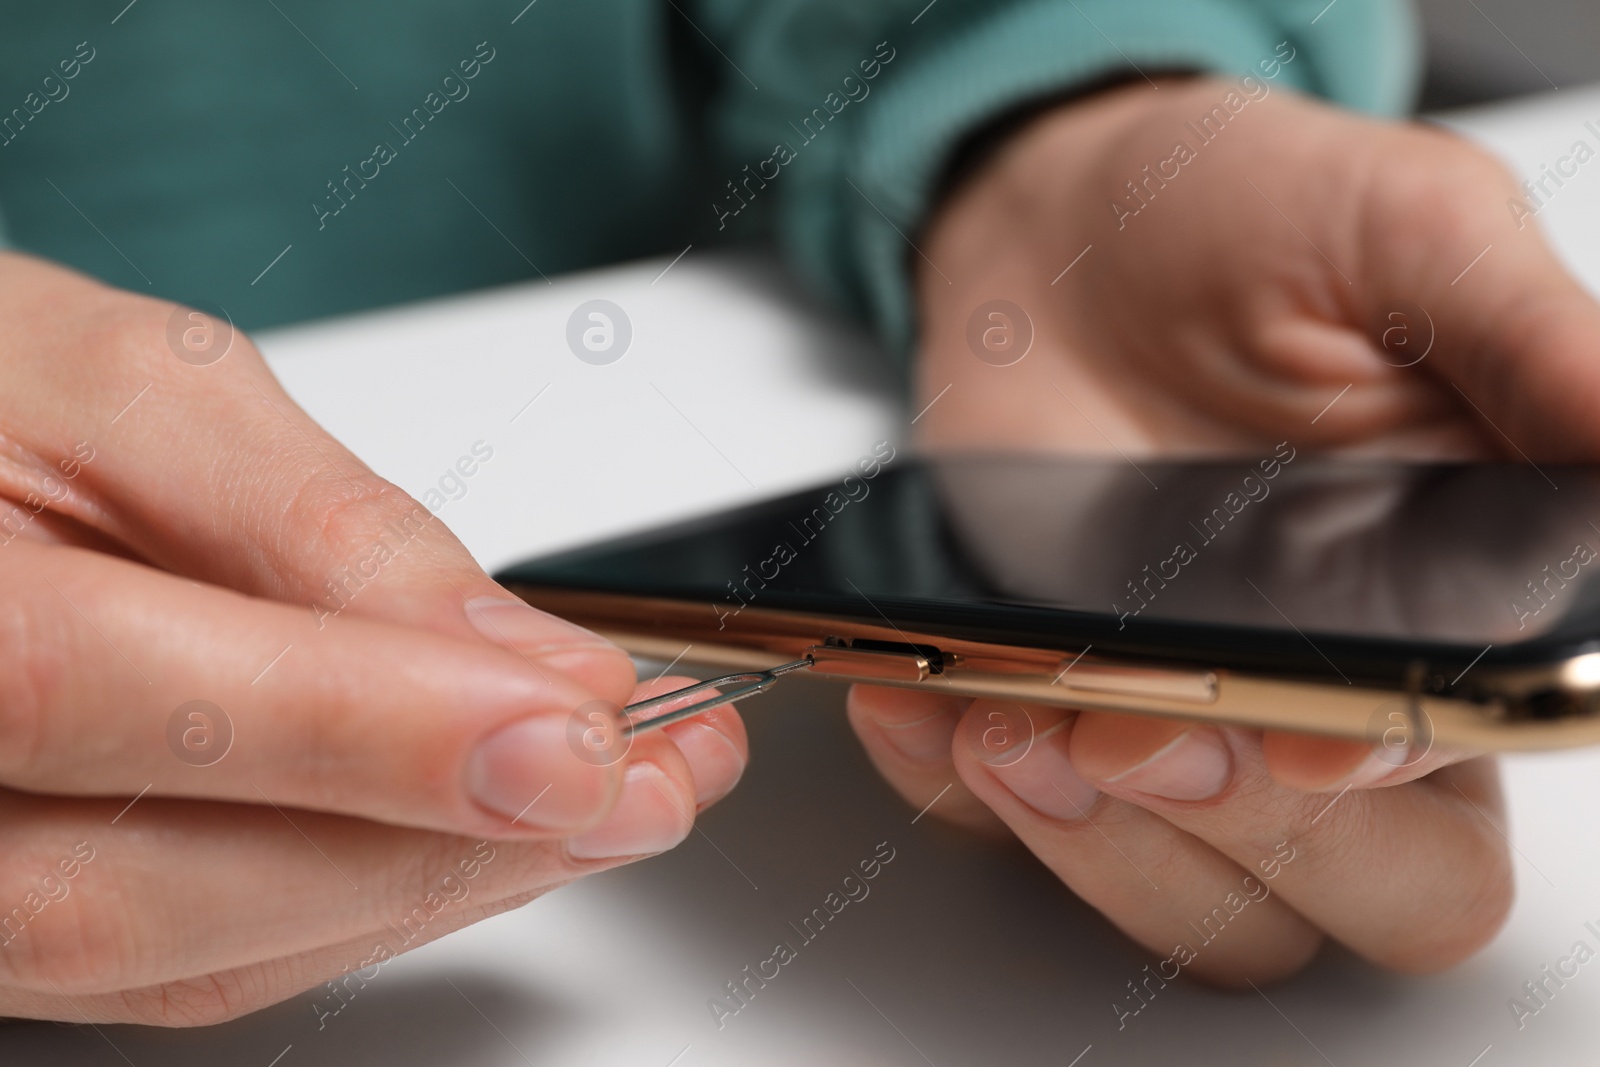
point(683, 632)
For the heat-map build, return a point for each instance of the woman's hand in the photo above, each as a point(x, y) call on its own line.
point(1229, 853)
point(1302, 255)
point(1304, 275)
point(264, 720)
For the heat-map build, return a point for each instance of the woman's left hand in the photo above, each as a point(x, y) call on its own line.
point(1229, 854)
point(1283, 282)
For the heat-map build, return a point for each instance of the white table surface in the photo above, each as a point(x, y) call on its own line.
point(964, 953)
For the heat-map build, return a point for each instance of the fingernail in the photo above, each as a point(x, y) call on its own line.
point(1043, 777)
point(923, 741)
point(1381, 762)
point(714, 761)
point(1195, 765)
point(528, 772)
point(648, 819)
point(516, 624)
point(553, 642)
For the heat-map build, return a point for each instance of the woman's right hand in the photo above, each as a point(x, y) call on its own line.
point(262, 718)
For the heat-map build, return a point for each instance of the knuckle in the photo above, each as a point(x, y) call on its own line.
point(1462, 918)
point(419, 881)
point(35, 655)
point(352, 514)
point(129, 341)
point(1272, 960)
point(59, 938)
point(124, 331)
point(1478, 194)
point(1447, 153)
point(1462, 913)
point(1463, 189)
point(123, 326)
point(1458, 162)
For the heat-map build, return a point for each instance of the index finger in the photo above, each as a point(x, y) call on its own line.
point(210, 470)
point(124, 680)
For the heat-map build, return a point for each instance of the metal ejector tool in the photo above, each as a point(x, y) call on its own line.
point(883, 663)
point(646, 715)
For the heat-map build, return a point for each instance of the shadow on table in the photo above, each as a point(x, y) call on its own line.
point(404, 1022)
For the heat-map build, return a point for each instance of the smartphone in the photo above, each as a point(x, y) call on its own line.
point(1416, 603)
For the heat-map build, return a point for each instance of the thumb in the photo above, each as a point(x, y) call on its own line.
point(1521, 348)
point(1515, 337)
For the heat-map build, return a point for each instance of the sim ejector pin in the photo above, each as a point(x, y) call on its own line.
point(903, 664)
point(643, 716)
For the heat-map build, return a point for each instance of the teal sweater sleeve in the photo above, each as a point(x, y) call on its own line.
point(843, 115)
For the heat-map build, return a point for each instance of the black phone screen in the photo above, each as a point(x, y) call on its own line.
point(1291, 564)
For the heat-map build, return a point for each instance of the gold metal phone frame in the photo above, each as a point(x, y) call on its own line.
point(690, 632)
